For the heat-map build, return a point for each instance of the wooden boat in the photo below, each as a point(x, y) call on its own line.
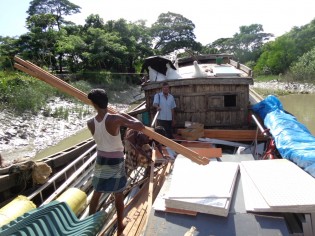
point(17, 178)
point(218, 98)
point(216, 92)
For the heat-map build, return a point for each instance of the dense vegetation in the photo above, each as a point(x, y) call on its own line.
point(98, 49)
point(21, 92)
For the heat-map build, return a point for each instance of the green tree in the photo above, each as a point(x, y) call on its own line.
point(57, 8)
point(304, 69)
point(134, 36)
point(104, 50)
point(72, 46)
point(94, 21)
point(8, 49)
point(38, 45)
point(44, 17)
point(304, 38)
point(248, 42)
point(277, 56)
point(222, 45)
point(172, 32)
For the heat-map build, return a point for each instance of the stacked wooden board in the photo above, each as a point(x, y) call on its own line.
point(205, 189)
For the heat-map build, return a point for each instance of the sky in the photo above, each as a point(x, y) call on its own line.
point(212, 19)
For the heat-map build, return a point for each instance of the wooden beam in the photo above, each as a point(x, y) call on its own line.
point(208, 152)
point(233, 135)
point(190, 144)
point(151, 185)
point(176, 147)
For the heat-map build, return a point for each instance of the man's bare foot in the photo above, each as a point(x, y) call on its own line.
point(120, 232)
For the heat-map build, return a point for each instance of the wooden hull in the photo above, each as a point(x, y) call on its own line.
point(17, 179)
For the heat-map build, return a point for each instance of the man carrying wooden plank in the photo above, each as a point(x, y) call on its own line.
point(109, 173)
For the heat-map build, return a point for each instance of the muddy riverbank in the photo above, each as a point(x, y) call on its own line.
point(25, 135)
point(291, 87)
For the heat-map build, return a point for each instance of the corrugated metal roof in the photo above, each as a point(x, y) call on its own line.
point(55, 218)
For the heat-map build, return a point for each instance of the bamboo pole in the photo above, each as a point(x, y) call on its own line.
point(54, 81)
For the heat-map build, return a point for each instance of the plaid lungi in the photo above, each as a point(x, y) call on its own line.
point(109, 175)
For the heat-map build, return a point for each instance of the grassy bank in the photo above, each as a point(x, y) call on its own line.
point(20, 92)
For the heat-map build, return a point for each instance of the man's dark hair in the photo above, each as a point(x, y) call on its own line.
point(99, 97)
point(165, 84)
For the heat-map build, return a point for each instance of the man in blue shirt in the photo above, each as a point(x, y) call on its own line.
point(165, 104)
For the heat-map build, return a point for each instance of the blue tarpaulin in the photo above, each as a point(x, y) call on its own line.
point(293, 140)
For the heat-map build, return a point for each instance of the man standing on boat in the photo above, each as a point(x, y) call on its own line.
point(109, 173)
point(165, 105)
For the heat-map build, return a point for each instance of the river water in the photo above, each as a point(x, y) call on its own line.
point(64, 144)
point(302, 106)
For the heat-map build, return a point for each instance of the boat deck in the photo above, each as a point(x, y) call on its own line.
point(238, 221)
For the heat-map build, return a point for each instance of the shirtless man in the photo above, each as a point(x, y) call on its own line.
point(109, 173)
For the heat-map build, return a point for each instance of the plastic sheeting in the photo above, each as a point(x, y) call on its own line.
point(293, 140)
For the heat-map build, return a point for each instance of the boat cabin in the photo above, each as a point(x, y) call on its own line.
point(212, 90)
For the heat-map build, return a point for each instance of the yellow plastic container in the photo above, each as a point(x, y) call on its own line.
point(14, 209)
point(76, 199)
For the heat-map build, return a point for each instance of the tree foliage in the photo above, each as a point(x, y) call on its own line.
point(121, 46)
point(8, 50)
point(278, 56)
point(173, 31)
point(56, 8)
point(245, 45)
point(248, 42)
point(304, 69)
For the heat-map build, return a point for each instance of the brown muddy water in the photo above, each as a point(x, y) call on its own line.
point(64, 144)
point(302, 106)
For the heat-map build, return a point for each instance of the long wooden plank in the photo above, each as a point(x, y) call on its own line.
point(65, 87)
point(208, 152)
point(176, 147)
point(234, 135)
point(52, 80)
point(140, 214)
point(140, 217)
point(151, 185)
point(196, 144)
point(129, 207)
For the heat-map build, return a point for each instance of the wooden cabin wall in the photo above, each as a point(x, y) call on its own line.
point(206, 104)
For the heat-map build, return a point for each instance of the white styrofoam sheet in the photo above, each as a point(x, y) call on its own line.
point(279, 184)
point(191, 180)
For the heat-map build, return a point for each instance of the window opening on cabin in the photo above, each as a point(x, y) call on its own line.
point(229, 100)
